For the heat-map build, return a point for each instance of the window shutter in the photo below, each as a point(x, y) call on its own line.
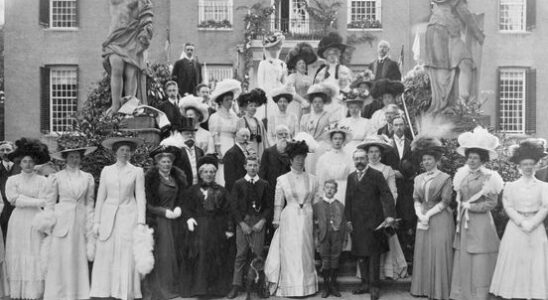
point(531, 101)
point(45, 118)
point(77, 14)
point(531, 15)
point(43, 18)
point(498, 115)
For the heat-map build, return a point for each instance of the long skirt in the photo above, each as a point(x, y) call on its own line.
point(522, 265)
point(68, 274)
point(4, 285)
point(393, 264)
point(26, 277)
point(433, 258)
point(114, 274)
point(290, 266)
point(472, 272)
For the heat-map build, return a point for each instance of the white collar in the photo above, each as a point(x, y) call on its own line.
point(398, 139)
point(433, 173)
point(183, 55)
point(249, 178)
point(329, 200)
point(383, 58)
point(173, 101)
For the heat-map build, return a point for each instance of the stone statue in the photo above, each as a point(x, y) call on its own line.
point(124, 50)
point(452, 54)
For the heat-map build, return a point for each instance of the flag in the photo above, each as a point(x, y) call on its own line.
point(167, 46)
point(401, 60)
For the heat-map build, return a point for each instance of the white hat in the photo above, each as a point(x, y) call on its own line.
point(479, 138)
point(192, 101)
point(225, 86)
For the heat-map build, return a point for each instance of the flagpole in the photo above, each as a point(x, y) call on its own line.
point(407, 114)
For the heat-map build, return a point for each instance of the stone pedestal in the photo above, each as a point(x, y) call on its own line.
point(144, 127)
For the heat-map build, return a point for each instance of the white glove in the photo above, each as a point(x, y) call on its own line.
point(229, 234)
point(170, 214)
point(527, 226)
point(177, 212)
point(191, 223)
point(95, 229)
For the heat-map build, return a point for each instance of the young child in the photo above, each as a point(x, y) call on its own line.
point(251, 209)
point(330, 233)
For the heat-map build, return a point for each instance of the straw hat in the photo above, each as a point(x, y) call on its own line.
point(280, 92)
point(109, 142)
point(479, 138)
point(326, 89)
point(194, 102)
point(366, 77)
point(334, 128)
point(381, 141)
point(273, 40)
point(225, 86)
point(84, 150)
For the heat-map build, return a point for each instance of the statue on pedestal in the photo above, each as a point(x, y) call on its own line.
point(124, 50)
point(452, 54)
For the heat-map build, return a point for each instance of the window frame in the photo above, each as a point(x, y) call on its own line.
point(52, 69)
point(59, 28)
point(209, 67)
point(378, 14)
point(524, 100)
point(202, 14)
point(524, 24)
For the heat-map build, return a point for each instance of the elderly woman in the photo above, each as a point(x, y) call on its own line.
point(522, 264)
point(73, 193)
point(283, 98)
point(433, 258)
point(476, 242)
point(290, 265)
point(119, 210)
point(164, 186)
point(249, 102)
point(298, 59)
point(192, 107)
point(28, 192)
point(206, 212)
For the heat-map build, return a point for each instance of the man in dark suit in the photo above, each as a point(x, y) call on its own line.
point(383, 66)
point(542, 174)
point(251, 210)
point(171, 107)
point(190, 154)
point(369, 203)
point(187, 71)
point(234, 159)
point(7, 168)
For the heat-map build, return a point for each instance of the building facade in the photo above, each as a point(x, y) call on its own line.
point(53, 50)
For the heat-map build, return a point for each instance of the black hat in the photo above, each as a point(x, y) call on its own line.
point(256, 95)
point(387, 86)
point(170, 150)
point(332, 40)
point(30, 147)
point(208, 159)
point(527, 149)
point(187, 124)
point(302, 51)
point(427, 145)
point(297, 148)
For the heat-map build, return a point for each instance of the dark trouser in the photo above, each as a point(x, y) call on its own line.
point(244, 243)
point(370, 267)
point(331, 248)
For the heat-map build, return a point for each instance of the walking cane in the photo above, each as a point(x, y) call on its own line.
point(407, 114)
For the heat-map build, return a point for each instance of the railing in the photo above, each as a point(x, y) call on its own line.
point(215, 14)
point(294, 28)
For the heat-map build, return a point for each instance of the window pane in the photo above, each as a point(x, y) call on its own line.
point(363, 10)
point(64, 101)
point(512, 15)
point(512, 100)
point(215, 10)
point(63, 13)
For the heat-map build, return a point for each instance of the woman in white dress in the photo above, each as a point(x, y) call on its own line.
point(272, 72)
point(283, 97)
point(289, 266)
point(336, 163)
point(360, 127)
point(223, 124)
point(28, 192)
point(249, 102)
point(73, 192)
point(298, 59)
point(120, 210)
point(393, 264)
point(192, 107)
point(522, 264)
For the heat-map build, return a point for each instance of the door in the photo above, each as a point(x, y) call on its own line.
point(298, 17)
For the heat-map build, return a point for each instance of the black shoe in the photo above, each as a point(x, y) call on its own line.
point(362, 289)
point(233, 292)
point(375, 292)
point(333, 288)
point(325, 285)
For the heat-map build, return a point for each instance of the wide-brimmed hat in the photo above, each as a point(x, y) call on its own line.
point(381, 141)
point(208, 159)
point(274, 39)
point(280, 92)
point(226, 86)
point(353, 96)
point(194, 102)
point(527, 149)
point(425, 144)
point(302, 51)
point(387, 86)
point(311, 144)
point(85, 151)
point(111, 141)
point(256, 95)
point(173, 151)
point(326, 89)
point(332, 40)
point(334, 128)
point(30, 147)
point(366, 77)
point(479, 138)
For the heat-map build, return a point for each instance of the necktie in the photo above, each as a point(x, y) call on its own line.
point(360, 175)
point(252, 182)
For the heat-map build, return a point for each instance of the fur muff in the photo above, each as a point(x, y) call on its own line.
point(43, 222)
point(143, 244)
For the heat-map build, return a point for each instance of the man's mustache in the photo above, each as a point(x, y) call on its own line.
point(360, 164)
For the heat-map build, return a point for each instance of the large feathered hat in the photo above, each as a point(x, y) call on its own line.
point(302, 51)
point(527, 149)
point(336, 128)
point(208, 159)
point(479, 138)
point(274, 39)
point(387, 86)
point(424, 144)
point(226, 86)
point(194, 102)
point(256, 95)
point(332, 40)
point(295, 148)
point(325, 89)
point(171, 151)
point(30, 147)
point(280, 92)
point(366, 77)
point(76, 144)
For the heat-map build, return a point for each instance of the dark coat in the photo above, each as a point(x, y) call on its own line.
point(368, 203)
point(240, 201)
point(234, 161)
point(385, 131)
point(369, 109)
point(152, 182)
point(273, 165)
point(321, 217)
point(188, 74)
point(172, 112)
point(390, 69)
point(542, 174)
point(8, 208)
point(183, 163)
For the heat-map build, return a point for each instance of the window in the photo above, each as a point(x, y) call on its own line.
point(516, 15)
point(215, 73)
point(516, 105)
point(59, 14)
point(215, 14)
point(364, 14)
point(59, 98)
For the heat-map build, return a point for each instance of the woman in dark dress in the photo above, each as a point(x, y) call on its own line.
point(206, 209)
point(164, 186)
